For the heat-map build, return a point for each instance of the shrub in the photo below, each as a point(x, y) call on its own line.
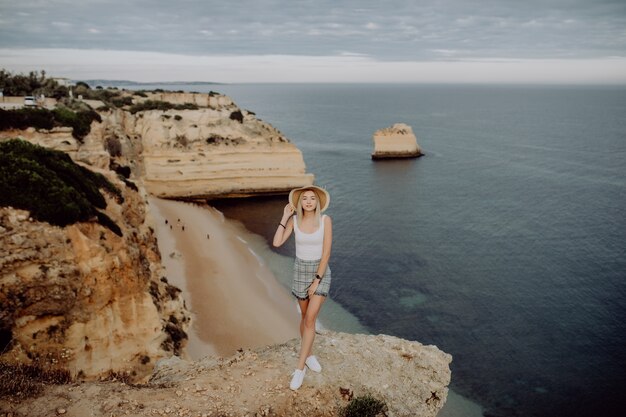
point(122, 101)
point(151, 105)
point(33, 83)
point(104, 95)
point(161, 105)
point(121, 170)
point(45, 119)
point(113, 146)
point(79, 121)
point(237, 115)
point(178, 117)
point(25, 118)
point(182, 140)
point(51, 186)
point(186, 106)
point(364, 406)
point(82, 85)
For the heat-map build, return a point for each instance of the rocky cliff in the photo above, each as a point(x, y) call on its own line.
point(397, 141)
point(97, 303)
point(410, 378)
point(210, 148)
point(83, 298)
point(195, 154)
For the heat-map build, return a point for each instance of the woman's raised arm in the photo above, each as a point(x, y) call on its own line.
point(285, 227)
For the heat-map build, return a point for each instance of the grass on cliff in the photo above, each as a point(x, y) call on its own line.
point(19, 381)
point(364, 406)
point(51, 186)
point(161, 105)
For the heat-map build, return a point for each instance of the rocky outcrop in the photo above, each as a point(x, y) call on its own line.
point(409, 377)
point(397, 141)
point(204, 153)
point(217, 150)
point(84, 299)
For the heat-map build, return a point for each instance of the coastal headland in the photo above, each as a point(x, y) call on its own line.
point(175, 315)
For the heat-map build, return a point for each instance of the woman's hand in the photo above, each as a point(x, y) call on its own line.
point(313, 287)
point(288, 211)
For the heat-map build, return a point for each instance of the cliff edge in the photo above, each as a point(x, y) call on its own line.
point(410, 378)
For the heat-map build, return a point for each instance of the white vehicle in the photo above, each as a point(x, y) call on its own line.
point(30, 101)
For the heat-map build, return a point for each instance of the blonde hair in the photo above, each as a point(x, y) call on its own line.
point(300, 210)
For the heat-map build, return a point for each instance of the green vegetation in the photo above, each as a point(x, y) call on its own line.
point(80, 121)
point(24, 118)
point(237, 115)
point(31, 84)
point(51, 186)
point(122, 101)
point(36, 83)
point(107, 95)
point(365, 406)
point(161, 105)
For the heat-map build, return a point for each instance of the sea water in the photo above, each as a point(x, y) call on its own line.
point(505, 245)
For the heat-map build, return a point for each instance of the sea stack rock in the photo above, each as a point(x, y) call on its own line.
point(397, 141)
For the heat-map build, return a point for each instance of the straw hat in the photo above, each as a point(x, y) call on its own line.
point(322, 195)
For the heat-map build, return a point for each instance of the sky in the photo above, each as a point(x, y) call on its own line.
point(430, 41)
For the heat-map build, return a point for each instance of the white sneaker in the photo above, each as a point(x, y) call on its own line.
point(313, 364)
point(298, 377)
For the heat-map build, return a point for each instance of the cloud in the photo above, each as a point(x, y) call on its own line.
point(155, 66)
point(392, 31)
point(61, 24)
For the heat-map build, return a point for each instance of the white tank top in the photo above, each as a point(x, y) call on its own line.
point(309, 245)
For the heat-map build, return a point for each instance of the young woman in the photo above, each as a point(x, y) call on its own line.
point(311, 275)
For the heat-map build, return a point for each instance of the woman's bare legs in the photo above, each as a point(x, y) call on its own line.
point(303, 307)
point(310, 309)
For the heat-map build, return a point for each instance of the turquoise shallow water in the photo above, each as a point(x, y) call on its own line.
point(504, 245)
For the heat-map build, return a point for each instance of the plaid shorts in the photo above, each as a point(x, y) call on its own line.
point(303, 276)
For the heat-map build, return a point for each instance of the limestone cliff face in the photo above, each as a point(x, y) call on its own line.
point(84, 299)
point(409, 377)
point(397, 141)
point(217, 150)
point(195, 154)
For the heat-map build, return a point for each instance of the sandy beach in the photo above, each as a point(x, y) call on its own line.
point(234, 298)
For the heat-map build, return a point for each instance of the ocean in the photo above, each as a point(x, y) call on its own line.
point(505, 245)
